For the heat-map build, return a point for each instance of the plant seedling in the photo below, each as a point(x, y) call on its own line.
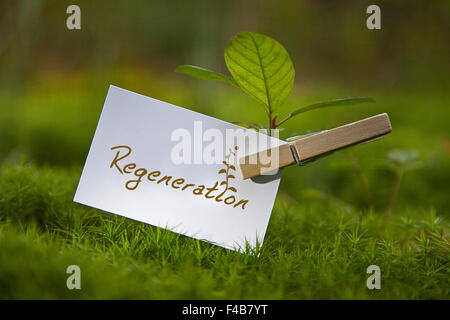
point(400, 161)
point(261, 67)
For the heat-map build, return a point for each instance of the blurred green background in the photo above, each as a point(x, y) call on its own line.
point(53, 82)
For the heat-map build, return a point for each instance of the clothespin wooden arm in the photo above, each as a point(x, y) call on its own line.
point(316, 145)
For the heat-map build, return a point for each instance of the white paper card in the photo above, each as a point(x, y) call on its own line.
point(130, 171)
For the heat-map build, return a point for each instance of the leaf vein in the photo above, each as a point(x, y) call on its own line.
point(251, 84)
point(245, 57)
point(245, 69)
point(264, 76)
point(283, 78)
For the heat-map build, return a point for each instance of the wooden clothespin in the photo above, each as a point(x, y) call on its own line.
point(310, 147)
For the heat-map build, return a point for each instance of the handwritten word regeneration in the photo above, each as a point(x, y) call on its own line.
point(219, 192)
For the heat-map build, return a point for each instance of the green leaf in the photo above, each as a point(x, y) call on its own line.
point(332, 103)
point(249, 125)
point(206, 74)
point(404, 159)
point(262, 68)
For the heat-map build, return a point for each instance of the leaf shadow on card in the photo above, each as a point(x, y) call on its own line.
point(266, 178)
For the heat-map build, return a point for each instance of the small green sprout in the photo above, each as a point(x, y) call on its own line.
point(261, 67)
point(400, 161)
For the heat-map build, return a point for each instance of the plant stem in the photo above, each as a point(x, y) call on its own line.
point(365, 186)
point(394, 195)
point(284, 120)
point(269, 114)
point(274, 122)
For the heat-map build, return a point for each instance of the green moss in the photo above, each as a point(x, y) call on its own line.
point(312, 250)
